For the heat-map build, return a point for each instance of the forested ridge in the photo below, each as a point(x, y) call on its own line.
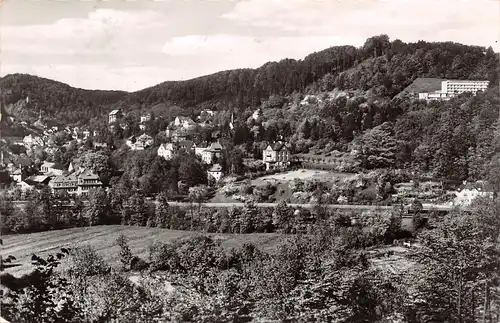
point(55, 99)
point(384, 66)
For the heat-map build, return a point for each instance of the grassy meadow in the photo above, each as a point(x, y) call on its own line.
point(102, 238)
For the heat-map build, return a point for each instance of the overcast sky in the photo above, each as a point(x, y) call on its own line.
point(129, 45)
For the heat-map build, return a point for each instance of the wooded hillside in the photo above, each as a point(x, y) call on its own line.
point(384, 66)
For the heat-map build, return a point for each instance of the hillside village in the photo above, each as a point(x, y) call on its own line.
point(29, 173)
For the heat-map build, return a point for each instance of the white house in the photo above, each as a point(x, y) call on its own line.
point(52, 168)
point(184, 122)
point(145, 117)
point(469, 191)
point(79, 183)
point(276, 155)
point(23, 186)
point(167, 150)
point(30, 141)
point(209, 154)
point(17, 175)
point(215, 172)
point(115, 115)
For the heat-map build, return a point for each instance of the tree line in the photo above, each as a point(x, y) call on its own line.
point(321, 276)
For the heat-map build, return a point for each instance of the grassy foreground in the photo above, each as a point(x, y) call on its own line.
point(102, 238)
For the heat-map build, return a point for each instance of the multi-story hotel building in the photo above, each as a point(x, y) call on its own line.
point(77, 183)
point(459, 86)
point(450, 88)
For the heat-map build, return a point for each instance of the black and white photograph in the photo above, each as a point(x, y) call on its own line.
point(260, 161)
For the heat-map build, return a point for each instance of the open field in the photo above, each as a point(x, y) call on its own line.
point(396, 263)
point(303, 174)
point(102, 239)
point(393, 264)
point(424, 84)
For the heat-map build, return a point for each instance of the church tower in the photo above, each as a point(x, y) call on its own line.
point(39, 123)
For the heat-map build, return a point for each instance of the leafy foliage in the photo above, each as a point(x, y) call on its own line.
point(43, 295)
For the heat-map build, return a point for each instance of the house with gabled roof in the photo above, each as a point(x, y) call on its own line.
point(167, 150)
point(200, 148)
point(65, 183)
point(276, 155)
point(77, 183)
point(24, 186)
point(212, 152)
point(115, 115)
point(38, 180)
point(184, 122)
point(468, 192)
point(208, 153)
point(140, 143)
point(100, 145)
point(88, 180)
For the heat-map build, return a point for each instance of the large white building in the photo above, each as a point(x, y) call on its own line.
point(450, 88)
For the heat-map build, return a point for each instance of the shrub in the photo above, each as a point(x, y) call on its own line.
point(125, 252)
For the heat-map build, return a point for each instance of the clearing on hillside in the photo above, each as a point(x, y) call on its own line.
point(424, 84)
point(303, 174)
